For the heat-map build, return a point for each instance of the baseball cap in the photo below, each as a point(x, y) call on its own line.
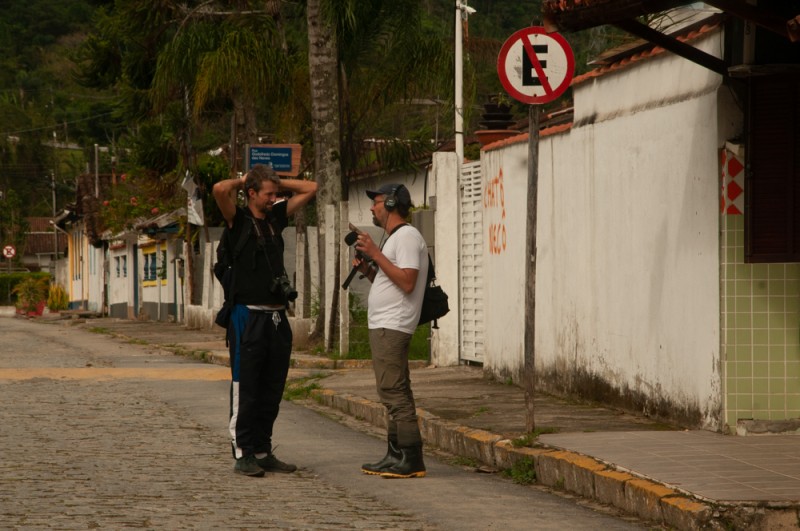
point(400, 192)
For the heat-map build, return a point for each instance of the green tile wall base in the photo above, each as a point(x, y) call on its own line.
point(756, 427)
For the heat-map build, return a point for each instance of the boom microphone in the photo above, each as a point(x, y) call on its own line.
point(350, 239)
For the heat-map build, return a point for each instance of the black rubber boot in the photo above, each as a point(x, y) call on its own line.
point(391, 458)
point(410, 465)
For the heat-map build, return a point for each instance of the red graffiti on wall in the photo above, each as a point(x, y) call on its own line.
point(497, 238)
point(494, 198)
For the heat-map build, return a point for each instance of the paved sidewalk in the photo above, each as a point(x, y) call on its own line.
point(683, 479)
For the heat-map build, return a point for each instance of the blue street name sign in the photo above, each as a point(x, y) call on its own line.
point(280, 158)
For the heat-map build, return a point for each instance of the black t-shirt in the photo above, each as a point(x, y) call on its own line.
point(253, 278)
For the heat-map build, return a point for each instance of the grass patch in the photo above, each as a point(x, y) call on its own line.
point(420, 343)
point(300, 389)
point(522, 473)
point(466, 461)
point(419, 348)
point(99, 330)
point(137, 341)
point(480, 411)
point(529, 438)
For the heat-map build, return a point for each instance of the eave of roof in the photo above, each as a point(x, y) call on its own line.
point(163, 222)
point(523, 137)
point(575, 15)
point(646, 54)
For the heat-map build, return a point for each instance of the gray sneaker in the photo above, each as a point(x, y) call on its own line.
point(248, 466)
point(270, 463)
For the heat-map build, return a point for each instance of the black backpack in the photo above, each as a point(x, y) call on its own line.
point(223, 270)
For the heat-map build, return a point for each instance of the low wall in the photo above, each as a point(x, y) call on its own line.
point(203, 318)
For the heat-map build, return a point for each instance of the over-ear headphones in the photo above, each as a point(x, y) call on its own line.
point(390, 203)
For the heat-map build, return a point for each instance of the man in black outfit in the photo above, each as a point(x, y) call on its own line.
point(259, 333)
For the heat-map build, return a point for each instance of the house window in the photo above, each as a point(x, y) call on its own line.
point(125, 266)
point(116, 265)
point(153, 266)
point(154, 270)
point(772, 181)
point(149, 276)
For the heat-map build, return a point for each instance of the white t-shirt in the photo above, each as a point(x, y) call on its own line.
point(389, 306)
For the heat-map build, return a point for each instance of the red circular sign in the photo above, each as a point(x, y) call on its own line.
point(535, 66)
point(9, 251)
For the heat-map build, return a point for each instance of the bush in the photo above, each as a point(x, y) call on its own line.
point(9, 282)
point(57, 298)
point(31, 292)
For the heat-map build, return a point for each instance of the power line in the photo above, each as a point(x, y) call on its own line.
point(55, 126)
point(58, 92)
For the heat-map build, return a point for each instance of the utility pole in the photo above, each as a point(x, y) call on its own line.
point(55, 234)
point(462, 12)
point(96, 171)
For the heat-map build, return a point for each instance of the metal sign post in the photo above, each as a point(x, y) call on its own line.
point(535, 67)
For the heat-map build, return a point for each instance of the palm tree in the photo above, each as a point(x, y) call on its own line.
point(389, 53)
point(364, 55)
point(239, 59)
point(326, 127)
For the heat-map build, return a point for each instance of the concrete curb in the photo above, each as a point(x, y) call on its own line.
point(555, 468)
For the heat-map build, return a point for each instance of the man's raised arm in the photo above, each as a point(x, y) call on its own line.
point(303, 191)
point(225, 196)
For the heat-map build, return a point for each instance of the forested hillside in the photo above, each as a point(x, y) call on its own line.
point(155, 85)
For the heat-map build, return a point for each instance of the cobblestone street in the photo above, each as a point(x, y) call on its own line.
point(105, 451)
point(99, 433)
point(104, 455)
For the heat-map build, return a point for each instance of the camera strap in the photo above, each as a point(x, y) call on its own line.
point(390, 234)
point(262, 243)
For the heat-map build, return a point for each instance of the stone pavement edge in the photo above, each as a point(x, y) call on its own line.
point(482, 422)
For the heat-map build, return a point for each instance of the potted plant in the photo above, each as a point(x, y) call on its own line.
point(31, 295)
point(498, 103)
point(497, 118)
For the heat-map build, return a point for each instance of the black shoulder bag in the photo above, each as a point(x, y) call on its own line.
point(434, 302)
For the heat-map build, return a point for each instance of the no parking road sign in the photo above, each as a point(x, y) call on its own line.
point(535, 66)
point(9, 251)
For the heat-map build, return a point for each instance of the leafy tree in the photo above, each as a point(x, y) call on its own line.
point(13, 225)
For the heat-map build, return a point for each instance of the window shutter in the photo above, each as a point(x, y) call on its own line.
point(772, 186)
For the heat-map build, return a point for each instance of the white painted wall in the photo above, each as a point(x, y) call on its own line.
point(119, 287)
point(95, 268)
point(505, 176)
point(445, 341)
point(627, 285)
point(359, 204)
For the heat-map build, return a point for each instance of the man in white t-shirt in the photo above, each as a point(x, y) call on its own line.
point(398, 271)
